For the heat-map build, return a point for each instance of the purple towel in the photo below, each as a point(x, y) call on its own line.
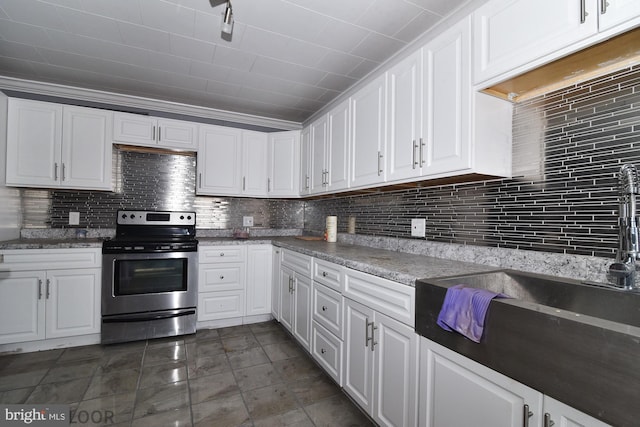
point(464, 310)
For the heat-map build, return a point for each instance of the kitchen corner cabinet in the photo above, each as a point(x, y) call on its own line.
point(276, 282)
point(58, 146)
point(368, 124)
point(295, 295)
point(380, 348)
point(284, 164)
point(47, 294)
point(137, 129)
point(456, 391)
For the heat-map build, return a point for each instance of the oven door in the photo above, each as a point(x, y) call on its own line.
point(136, 283)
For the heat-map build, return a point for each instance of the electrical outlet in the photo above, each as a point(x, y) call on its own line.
point(74, 218)
point(418, 227)
point(247, 221)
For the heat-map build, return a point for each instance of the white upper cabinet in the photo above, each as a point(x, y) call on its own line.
point(255, 147)
point(147, 131)
point(368, 121)
point(284, 164)
point(616, 12)
point(405, 143)
point(337, 150)
point(305, 161)
point(514, 36)
point(219, 161)
point(58, 146)
point(319, 171)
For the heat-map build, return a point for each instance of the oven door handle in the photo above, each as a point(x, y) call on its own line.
point(143, 317)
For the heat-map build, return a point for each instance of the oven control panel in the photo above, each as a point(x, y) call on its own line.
point(126, 217)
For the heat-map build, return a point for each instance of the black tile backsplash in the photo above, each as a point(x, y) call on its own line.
point(568, 147)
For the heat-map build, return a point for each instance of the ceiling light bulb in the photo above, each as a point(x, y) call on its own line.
point(227, 20)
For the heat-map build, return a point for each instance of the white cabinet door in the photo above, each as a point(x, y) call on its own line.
point(338, 147)
point(615, 12)
point(134, 128)
point(287, 277)
point(368, 134)
point(73, 302)
point(259, 264)
point(458, 392)
point(302, 310)
point(255, 148)
point(34, 141)
point(219, 161)
point(86, 148)
point(318, 150)
point(396, 369)
point(561, 415)
point(405, 134)
point(358, 356)
point(22, 306)
point(275, 283)
point(284, 164)
point(447, 94)
point(512, 33)
point(177, 134)
point(305, 161)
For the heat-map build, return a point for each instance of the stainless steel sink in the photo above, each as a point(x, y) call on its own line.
point(566, 294)
point(577, 343)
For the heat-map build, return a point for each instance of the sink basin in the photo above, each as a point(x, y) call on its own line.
point(577, 343)
point(565, 294)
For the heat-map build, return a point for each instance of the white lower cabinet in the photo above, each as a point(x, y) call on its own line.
point(295, 303)
point(380, 365)
point(259, 264)
point(275, 280)
point(458, 392)
point(43, 295)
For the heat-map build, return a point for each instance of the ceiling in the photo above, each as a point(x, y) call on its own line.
point(286, 59)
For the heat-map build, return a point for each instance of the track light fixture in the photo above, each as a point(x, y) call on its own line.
point(227, 19)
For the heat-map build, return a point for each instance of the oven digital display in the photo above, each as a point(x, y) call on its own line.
point(155, 216)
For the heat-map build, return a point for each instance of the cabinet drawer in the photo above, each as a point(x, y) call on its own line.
point(328, 273)
point(391, 298)
point(220, 305)
point(327, 308)
point(221, 278)
point(297, 262)
point(218, 254)
point(49, 259)
point(327, 350)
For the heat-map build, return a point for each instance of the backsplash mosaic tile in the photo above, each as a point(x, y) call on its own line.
point(568, 147)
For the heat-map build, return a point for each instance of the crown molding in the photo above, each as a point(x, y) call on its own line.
point(123, 102)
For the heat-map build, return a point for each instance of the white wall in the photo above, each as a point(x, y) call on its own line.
point(10, 213)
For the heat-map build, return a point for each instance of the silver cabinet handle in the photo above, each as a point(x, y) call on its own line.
point(200, 180)
point(324, 274)
point(55, 171)
point(268, 185)
point(583, 12)
point(603, 6)
point(159, 133)
point(414, 163)
point(221, 277)
point(63, 172)
point(48, 288)
point(366, 332)
point(373, 341)
point(153, 133)
point(244, 183)
point(324, 308)
point(221, 253)
point(548, 422)
point(306, 182)
point(39, 289)
point(422, 145)
point(323, 351)
point(526, 414)
point(379, 162)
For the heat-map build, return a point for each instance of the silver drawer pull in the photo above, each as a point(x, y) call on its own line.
point(323, 351)
point(324, 274)
point(221, 253)
point(324, 308)
point(221, 277)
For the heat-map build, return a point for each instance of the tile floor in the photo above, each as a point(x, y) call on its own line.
point(250, 375)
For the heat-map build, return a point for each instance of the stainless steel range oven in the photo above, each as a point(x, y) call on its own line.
point(150, 276)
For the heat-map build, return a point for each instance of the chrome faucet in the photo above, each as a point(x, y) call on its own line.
point(622, 273)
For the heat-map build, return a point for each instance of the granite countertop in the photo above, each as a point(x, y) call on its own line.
point(400, 267)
